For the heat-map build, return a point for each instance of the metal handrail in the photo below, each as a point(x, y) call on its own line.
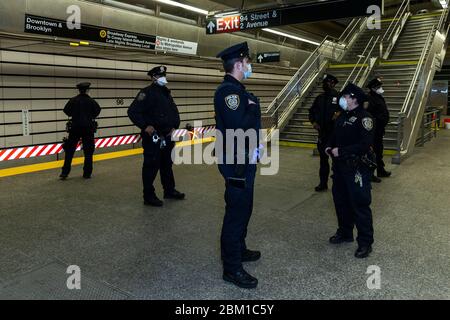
point(443, 18)
point(276, 103)
point(283, 105)
point(372, 44)
point(395, 27)
point(279, 103)
point(417, 72)
point(349, 30)
point(403, 6)
point(367, 62)
point(279, 100)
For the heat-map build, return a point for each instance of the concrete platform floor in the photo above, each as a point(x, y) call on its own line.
point(102, 226)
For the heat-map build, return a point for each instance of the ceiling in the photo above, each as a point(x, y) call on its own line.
point(315, 31)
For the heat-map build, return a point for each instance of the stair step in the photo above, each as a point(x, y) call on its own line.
point(300, 133)
point(299, 140)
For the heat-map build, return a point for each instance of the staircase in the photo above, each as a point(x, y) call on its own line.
point(299, 129)
point(398, 71)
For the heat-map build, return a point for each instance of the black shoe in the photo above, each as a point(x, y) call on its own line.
point(321, 188)
point(250, 255)
point(375, 179)
point(241, 278)
point(337, 239)
point(87, 176)
point(153, 201)
point(63, 176)
point(384, 174)
point(363, 252)
point(174, 195)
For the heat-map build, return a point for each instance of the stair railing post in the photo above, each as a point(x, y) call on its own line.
point(422, 129)
point(276, 113)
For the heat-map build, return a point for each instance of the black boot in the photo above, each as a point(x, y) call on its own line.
point(174, 195)
point(250, 255)
point(375, 179)
point(363, 251)
point(241, 278)
point(153, 201)
point(384, 174)
point(63, 176)
point(338, 239)
point(321, 188)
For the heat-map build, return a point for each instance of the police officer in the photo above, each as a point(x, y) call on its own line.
point(378, 109)
point(236, 109)
point(349, 146)
point(83, 110)
point(322, 114)
point(156, 114)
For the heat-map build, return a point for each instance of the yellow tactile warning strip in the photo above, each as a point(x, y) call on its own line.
point(78, 161)
point(424, 16)
point(297, 144)
point(399, 63)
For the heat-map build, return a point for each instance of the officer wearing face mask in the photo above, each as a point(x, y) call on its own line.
point(322, 115)
point(156, 114)
point(378, 109)
point(235, 109)
point(83, 110)
point(350, 147)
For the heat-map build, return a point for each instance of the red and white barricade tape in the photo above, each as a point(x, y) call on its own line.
point(52, 149)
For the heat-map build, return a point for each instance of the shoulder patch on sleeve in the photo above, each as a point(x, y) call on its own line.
point(141, 96)
point(367, 123)
point(232, 101)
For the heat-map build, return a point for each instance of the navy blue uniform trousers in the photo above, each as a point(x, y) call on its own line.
point(238, 209)
point(157, 159)
point(352, 198)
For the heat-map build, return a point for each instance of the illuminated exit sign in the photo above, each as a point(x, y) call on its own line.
point(300, 13)
point(243, 22)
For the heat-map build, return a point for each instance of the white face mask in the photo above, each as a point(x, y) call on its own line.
point(248, 73)
point(162, 81)
point(343, 103)
point(380, 91)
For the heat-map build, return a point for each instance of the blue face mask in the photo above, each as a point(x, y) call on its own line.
point(343, 103)
point(248, 73)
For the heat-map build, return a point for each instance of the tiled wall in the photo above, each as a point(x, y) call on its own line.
point(43, 83)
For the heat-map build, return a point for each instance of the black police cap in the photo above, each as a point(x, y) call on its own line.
point(158, 71)
point(240, 50)
point(355, 92)
point(374, 83)
point(329, 77)
point(83, 85)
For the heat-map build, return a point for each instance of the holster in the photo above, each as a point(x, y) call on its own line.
point(69, 125)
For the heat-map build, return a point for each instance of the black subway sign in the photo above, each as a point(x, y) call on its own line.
point(59, 28)
point(293, 14)
point(265, 57)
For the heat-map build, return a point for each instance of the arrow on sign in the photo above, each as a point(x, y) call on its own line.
point(260, 58)
point(211, 26)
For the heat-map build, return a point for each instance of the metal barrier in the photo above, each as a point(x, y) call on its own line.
point(430, 126)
